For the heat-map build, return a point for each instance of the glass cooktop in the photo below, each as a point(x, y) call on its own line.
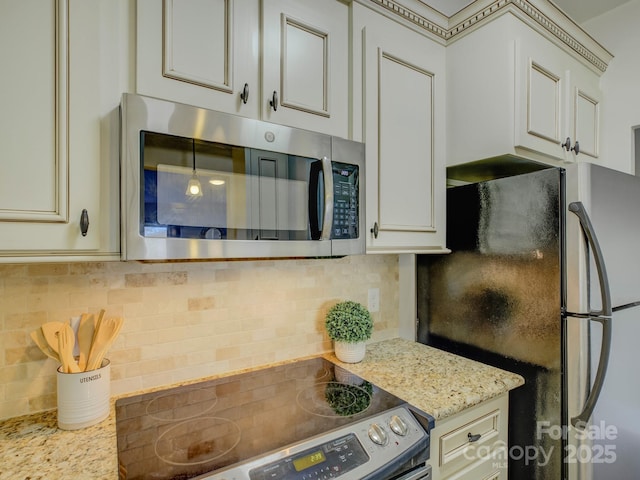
point(183, 432)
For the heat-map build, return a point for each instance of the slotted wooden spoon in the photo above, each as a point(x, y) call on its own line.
point(66, 342)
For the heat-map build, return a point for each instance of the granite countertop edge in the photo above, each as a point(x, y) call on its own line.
point(436, 382)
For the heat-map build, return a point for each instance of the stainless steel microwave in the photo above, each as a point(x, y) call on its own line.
point(201, 184)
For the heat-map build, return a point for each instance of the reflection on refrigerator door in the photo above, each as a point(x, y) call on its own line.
point(497, 299)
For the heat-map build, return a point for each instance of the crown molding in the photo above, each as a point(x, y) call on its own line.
point(542, 15)
point(413, 16)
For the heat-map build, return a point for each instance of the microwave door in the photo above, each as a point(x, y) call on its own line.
point(200, 184)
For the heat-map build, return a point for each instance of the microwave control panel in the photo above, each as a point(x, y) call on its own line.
point(345, 201)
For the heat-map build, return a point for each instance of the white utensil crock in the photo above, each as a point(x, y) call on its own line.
point(84, 398)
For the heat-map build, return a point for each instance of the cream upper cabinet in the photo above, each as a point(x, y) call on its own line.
point(585, 99)
point(282, 61)
point(398, 105)
point(53, 184)
point(200, 52)
point(557, 102)
point(514, 92)
point(305, 64)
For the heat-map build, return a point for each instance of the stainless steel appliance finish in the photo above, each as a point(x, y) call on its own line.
point(542, 281)
point(348, 453)
point(422, 473)
point(263, 190)
point(306, 419)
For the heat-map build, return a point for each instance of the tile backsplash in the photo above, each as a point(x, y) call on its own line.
point(182, 320)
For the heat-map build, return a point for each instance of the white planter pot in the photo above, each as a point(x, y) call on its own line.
point(350, 352)
point(344, 376)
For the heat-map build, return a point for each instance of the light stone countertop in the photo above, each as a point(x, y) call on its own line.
point(32, 448)
point(441, 384)
point(434, 381)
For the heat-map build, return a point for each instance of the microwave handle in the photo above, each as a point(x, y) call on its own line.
point(321, 232)
point(327, 225)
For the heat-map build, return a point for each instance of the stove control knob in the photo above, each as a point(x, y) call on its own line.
point(378, 435)
point(398, 426)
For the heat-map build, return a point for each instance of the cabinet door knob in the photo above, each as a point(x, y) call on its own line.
point(274, 101)
point(245, 93)
point(84, 222)
point(566, 144)
point(576, 148)
point(374, 230)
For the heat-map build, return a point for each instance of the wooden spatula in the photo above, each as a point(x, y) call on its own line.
point(86, 330)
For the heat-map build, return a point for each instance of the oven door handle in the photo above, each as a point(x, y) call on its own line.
point(423, 472)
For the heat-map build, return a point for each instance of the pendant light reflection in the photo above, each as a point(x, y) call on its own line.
point(194, 189)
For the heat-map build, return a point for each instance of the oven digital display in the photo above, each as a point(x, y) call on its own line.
point(331, 459)
point(307, 461)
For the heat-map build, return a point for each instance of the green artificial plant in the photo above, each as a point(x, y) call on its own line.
point(349, 322)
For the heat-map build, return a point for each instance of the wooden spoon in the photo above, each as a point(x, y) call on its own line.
point(41, 342)
point(105, 335)
point(97, 323)
point(86, 330)
point(49, 330)
point(66, 342)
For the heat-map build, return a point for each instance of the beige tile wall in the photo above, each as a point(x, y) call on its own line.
point(183, 320)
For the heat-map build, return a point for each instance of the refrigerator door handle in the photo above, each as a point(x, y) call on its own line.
point(603, 316)
point(587, 228)
point(581, 420)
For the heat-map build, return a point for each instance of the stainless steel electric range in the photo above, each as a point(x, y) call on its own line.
point(302, 420)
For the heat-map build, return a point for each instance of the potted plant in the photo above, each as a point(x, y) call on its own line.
point(349, 325)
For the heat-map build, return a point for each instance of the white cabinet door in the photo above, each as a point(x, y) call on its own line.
point(585, 98)
point(401, 76)
point(34, 174)
point(200, 52)
point(557, 102)
point(245, 56)
point(541, 103)
point(473, 444)
point(50, 128)
point(521, 95)
point(305, 63)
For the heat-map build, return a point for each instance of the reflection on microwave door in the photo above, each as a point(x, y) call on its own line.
point(199, 184)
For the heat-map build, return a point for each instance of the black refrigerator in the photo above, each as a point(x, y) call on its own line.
point(542, 281)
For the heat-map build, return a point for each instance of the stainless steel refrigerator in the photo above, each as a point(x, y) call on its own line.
point(544, 280)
